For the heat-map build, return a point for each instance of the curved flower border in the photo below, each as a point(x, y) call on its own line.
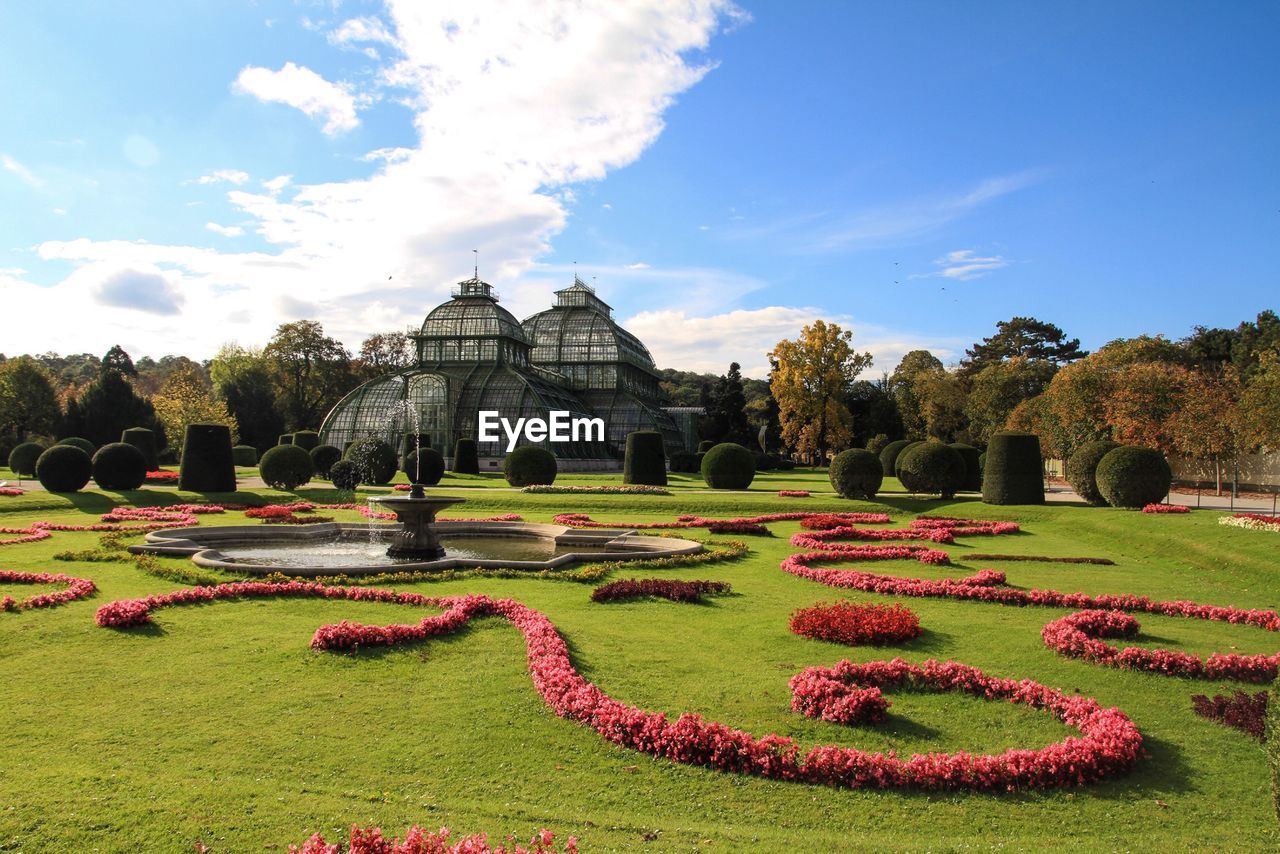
point(77, 588)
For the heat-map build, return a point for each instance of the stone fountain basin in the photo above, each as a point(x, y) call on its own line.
point(204, 545)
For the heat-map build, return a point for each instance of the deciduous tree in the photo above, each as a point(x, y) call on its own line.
point(186, 398)
point(28, 403)
point(810, 380)
point(310, 370)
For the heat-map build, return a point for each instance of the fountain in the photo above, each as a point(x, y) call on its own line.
point(417, 539)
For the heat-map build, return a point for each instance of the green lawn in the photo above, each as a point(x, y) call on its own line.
point(219, 724)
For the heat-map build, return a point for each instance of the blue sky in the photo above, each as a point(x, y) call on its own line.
point(176, 176)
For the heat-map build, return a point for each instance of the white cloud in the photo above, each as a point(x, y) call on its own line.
point(276, 184)
point(388, 155)
point(28, 177)
point(224, 230)
point(964, 264)
point(639, 265)
point(60, 211)
point(361, 30)
point(300, 87)
point(218, 176)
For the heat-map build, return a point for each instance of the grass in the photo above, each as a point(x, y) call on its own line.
point(220, 725)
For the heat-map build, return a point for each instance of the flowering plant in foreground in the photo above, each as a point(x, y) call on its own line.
point(10, 490)
point(793, 493)
point(1239, 710)
point(632, 489)
point(1251, 522)
point(1109, 744)
point(369, 840)
point(152, 518)
point(1166, 508)
point(666, 588)
point(852, 623)
point(77, 588)
point(162, 477)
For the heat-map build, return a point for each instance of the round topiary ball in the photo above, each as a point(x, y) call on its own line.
point(144, 439)
point(529, 465)
point(76, 441)
point(244, 456)
point(856, 473)
point(932, 467)
point(1082, 470)
point(22, 459)
point(1014, 473)
point(424, 465)
point(286, 467)
point(1133, 477)
point(377, 461)
point(645, 461)
point(64, 468)
point(972, 466)
point(119, 466)
point(889, 455)
point(466, 459)
point(897, 462)
point(684, 462)
point(344, 475)
point(728, 466)
point(323, 457)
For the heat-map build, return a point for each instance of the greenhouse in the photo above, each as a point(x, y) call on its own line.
point(473, 355)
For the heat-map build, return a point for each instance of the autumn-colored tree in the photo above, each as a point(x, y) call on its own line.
point(998, 388)
point(385, 352)
point(1259, 408)
point(810, 379)
point(941, 399)
point(1206, 423)
point(1035, 415)
point(186, 398)
point(1142, 401)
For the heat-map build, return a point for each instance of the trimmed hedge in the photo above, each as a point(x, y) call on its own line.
point(144, 439)
point(1133, 477)
point(1014, 473)
point(78, 442)
point(856, 473)
point(207, 465)
point(64, 468)
point(889, 455)
point(529, 465)
point(245, 455)
point(705, 445)
point(22, 459)
point(972, 466)
point(878, 443)
point(645, 461)
point(897, 462)
point(728, 466)
point(424, 466)
point(119, 466)
point(306, 439)
point(466, 460)
point(344, 475)
point(323, 457)
point(377, 460)
point(932, 467)
point(285, 439)
point(410, 443)
point(685, 462)
point(1082, 469)
point(286, 467)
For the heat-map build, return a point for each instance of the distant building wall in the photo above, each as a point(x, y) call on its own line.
point(1257, 471)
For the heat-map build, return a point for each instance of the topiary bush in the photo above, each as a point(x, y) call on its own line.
point(972, 466)
point(377, 461)
point(119, 466)
point(529, 465)
point(323, 457)
point(1014, 472)
point(767, 462)
point(932, 467)
point(424, 466)
point(728, 466)
point(285, 439)
point(286, 467)
point(245, 456)
point(705, 445)
point(78, 442)
point(410, 443)
point(144, 439)
point(207, 465)
point(877, 443)
point(897, 462)
point(465, 458)
point(645, 461)
point(64, 468)
point(889, 455)
point(1129, 476)
point(1082, 469)
point(22, 459)
point(344, 475)
point(856, 473)
point(684, 462)
point(306, 439)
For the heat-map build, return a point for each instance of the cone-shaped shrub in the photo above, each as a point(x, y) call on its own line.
point(78, 442)
point(306, 439)
point(465, 458)
point(286, 467)
point(424, 466)
point(529, 465)
point(323, 457)
point(856, 473)
point(728, 466)
point(1014, 473)
point(22, 459)
point(144, 439)
point(378, 461)
point(931, 468)
point(685, 462)
point(1133, 477)
point(119, 466)
point(645, 461)
point(207, 465)
point(285, 439)
point(889, 456)
point(64, 468)
point(344, 475)
point(705, 445)
point(972, 466)
point(1082, 469)
point(245, 455)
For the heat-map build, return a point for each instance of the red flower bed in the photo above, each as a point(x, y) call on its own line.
point(582, 520)
point(153, 519)
point(1110, 744)
point(270, 511)
point(369, 840)
point(666, 588)
point(161, 478)
point(793, 493)
point(1241, 710)
point(852, 623)
point(1166, 508)
point(10, 490)
point(77, 588)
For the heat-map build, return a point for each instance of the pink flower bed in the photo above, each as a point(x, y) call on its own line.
point(852, 623)
point(1166, 508)
point(152, 519)
point(77, 588)
point(582, 520)
point(793, 493)
point(369, 840)
point(10, 490)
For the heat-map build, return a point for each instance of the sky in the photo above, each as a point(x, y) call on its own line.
point(177, 176)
